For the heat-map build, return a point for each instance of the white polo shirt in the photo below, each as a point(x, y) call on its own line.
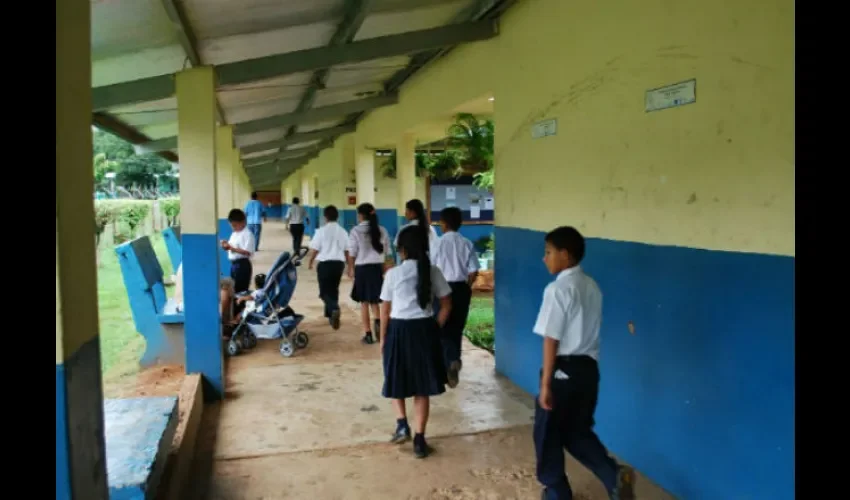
point(400, 285)
point(571, 313)
point(296, 214)
point(330, 242)
point(360, 245)
point(456, 257)
point(243, 240)
point(433, 238)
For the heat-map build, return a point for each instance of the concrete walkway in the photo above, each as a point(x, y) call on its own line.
point(315, 426)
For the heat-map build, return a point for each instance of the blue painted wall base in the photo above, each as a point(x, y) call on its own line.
point(203, 322)
point(701, 397)
point(80, 449)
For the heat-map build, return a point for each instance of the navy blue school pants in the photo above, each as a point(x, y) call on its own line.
point(329, 274)
point(451, 336)
point(256, 230)
point(569, 426)
point(241, 271)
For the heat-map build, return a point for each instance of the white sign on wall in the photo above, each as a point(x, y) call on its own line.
point(451, 193)
point(671, 96)
point(475, 212)
point(544, 128)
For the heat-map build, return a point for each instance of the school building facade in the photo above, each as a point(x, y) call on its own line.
point(689, 212)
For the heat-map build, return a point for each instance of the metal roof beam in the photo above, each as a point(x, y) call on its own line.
point(287, 154)
point(315, 114)
point(364, 50)
point(162, 87)
point(326, 133)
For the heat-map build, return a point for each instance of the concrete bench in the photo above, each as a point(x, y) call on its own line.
point(156, 318)
point(139, 433)
point(174, 245)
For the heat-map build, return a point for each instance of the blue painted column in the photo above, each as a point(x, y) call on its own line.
point(80, 450)
point(198, 192)
point(224, 165)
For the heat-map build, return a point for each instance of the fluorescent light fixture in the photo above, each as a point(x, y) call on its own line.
point(491, 99)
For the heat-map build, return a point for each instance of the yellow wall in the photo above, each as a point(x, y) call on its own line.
point(387, 194)
point(717, 174)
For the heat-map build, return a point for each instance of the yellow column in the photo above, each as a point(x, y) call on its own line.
point(80, 455)
point(224, 188)
point(198, 193)
point(405, 170)
point(364, 163)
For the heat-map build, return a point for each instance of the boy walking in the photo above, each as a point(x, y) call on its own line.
point(256, 214)
point(240, 249)
point(328, 246)
point(455, 256)
point(569, 322)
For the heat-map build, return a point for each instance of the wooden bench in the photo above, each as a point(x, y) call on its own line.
point(156, 317)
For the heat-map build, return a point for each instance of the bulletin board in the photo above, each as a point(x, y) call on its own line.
point(476, 204)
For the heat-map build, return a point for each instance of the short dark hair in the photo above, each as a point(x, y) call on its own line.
point(331, 213)
point(254, 195)
point(236, 215)
point(452, 216)
point(296, 200)
point(567, 238)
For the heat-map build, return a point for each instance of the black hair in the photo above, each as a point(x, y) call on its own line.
point(452, 216)
point(236, 215)
point(331, 213)
point(567, 238)
point(254, 195)
point(418, 208)
point(368, 213)
point(296, 200)
point(414, 249)
point(260, 281)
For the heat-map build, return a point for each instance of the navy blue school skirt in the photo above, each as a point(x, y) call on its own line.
point(368, 280)
point(413, 359)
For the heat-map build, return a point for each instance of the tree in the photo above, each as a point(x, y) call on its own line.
point(113, 154)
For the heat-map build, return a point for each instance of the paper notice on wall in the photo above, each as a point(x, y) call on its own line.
point(451, 194)
point(475, 212)
point(488, 203)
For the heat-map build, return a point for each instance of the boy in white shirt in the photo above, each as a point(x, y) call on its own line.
point(328, 246)
point(569, 322)
point(240, 249)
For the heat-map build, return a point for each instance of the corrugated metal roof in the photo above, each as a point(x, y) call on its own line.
point(144, 42)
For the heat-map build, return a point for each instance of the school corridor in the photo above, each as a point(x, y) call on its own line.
point(315, 425)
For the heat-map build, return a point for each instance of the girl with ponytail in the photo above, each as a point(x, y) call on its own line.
point(414, 212)
point(410, 337)
point(367, 246)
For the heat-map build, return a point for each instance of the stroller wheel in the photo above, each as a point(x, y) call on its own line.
point(233, 348)
point(250, 340)
point(286, 348)
point(301, 340)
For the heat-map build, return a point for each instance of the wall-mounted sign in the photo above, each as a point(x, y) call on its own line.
point(352, 200)
point(351, 190)
point(671, 96)
point(544, 128)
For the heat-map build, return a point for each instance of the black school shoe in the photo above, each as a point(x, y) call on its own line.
point(367, 339)
point(335, 319)
point(401, 434)
point(420, 447)
point(377, 325)
point(453, 374)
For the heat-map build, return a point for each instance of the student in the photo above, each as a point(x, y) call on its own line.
point(256, 214)
point(366, 247)
point(413, 361)
point(328, 246)
point(240, 249)
point(569, 321)
point(295, 218)
point(457, 260)
point(257, 294)
point(414, 212)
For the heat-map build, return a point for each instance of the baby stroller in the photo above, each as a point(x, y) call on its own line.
point(269, 316)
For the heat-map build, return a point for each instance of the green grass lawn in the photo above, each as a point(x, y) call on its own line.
point(481, 323)
point(120, 345)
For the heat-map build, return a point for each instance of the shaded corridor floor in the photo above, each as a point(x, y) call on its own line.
point(315, 427)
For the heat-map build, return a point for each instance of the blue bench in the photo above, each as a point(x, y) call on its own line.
point(174, 245)
point(139, 433)
point(156, 318)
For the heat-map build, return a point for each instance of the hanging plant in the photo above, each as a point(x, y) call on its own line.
point(389, 167)
point(474, 140)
